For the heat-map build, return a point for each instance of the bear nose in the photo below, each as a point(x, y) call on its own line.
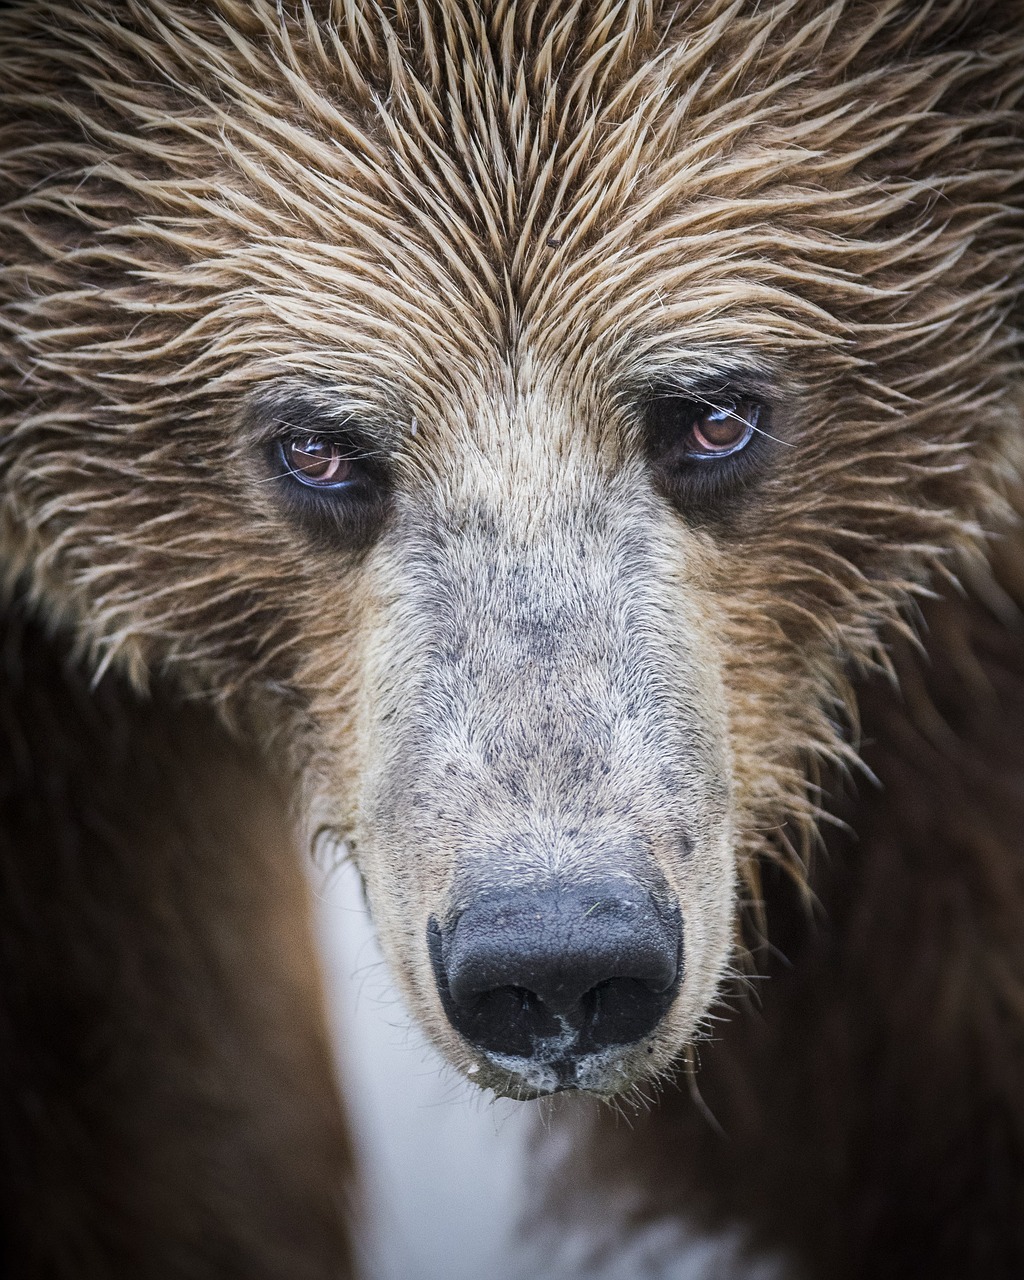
point(524, 971)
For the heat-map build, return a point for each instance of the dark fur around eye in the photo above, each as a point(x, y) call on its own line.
point(697, 482)
point(349, 515)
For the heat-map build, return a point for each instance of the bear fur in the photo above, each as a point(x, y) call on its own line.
point(491, 236)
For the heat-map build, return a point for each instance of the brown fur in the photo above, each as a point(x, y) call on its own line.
point(505, 223)
point(169, 1102)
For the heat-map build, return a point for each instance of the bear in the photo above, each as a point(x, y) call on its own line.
point(565, 458)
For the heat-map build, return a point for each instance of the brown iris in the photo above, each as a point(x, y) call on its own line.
point(721, 431)
point(318, 462)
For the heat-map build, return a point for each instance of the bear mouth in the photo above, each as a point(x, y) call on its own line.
point(553, 1068)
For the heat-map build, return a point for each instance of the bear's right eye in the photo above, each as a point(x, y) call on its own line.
point(318, 462)
point(330, 482)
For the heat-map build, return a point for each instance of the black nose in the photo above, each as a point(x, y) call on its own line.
point(587, 966)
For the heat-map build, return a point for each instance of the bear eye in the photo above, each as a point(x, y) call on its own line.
point(319, 462)
point(332, 479)
point(703, 448)
point(722, 431)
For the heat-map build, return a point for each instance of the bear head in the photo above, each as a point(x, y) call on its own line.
point(521, 419)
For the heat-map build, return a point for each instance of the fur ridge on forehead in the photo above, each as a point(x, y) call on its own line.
point(434, 205)
point(699, 167)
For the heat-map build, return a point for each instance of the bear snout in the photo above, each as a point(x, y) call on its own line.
point(553, 975)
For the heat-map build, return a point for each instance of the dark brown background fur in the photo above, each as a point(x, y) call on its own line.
point(168, 1098)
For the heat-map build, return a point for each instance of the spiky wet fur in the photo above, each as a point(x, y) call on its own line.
point(473, 215)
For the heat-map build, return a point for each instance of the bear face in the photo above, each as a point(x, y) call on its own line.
point(522, 447)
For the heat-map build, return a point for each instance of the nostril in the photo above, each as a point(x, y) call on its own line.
point(507, 1020)
point(621, 1011)
point(588, 966)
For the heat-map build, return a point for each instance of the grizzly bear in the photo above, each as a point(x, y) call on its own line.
point(565, 457)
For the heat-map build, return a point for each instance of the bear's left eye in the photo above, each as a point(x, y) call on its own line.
point(701, 449)
point(721, 431)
